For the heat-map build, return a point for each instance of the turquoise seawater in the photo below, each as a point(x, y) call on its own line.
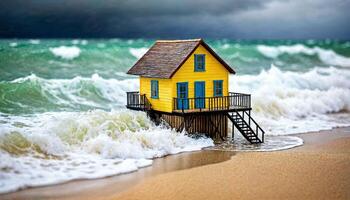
point(56, 75)
point(63, 115)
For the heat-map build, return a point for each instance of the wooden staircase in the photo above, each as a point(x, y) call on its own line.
point(247, 127)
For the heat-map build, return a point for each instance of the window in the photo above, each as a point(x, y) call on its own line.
point(218, 88)
point(154, 89)
point(199, 62)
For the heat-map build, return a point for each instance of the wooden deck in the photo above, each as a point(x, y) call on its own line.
point(232, 102)
point(208, 115)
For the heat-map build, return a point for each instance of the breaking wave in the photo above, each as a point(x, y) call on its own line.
point(279, 98)
point(292, 102)
point(327, 56)
point(34, 94)
point(51, 148)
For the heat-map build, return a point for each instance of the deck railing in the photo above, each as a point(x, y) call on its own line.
point(232, 101)
point(137, 101)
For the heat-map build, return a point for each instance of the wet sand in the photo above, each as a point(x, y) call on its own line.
point(320, 169)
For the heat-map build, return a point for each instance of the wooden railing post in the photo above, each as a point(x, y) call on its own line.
point(182, 105)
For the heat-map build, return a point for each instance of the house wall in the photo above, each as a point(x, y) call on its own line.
point(214, 70)
point(164, 102)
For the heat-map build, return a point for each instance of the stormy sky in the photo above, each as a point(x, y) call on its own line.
point(233, 19)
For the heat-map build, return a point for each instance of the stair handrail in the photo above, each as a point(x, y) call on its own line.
point(256, 125)
point(258, 128)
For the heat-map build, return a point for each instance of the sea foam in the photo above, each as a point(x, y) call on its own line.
point(138, 52)
point(51, 148)
point(291, 102)
point(66, 52)
point(327, 56)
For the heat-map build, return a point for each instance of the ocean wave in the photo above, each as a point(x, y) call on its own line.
point(327, 56)
point(276, 95)
point(66, 52)
point(42, 95)
point(32, 41)
point(51, 148)
point(291, 102)
point(138, 52)
point(13, 44)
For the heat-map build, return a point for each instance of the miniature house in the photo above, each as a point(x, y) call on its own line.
point(186, 84)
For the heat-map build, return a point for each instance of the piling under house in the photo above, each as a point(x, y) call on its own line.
point(186, 84)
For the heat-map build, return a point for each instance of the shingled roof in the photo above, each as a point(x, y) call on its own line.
point(165, 57)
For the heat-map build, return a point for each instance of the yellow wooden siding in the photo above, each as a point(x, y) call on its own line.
point(214, 70)
point(164, 101)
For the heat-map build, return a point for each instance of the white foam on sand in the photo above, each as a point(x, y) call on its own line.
point(66, 52)
point(271, 143)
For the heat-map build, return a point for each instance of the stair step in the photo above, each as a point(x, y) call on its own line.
point(241, 124)
point(244, 127)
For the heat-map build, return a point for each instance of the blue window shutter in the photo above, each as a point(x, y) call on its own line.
point(203, 62)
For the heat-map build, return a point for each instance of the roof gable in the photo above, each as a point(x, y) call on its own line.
point(165, 57)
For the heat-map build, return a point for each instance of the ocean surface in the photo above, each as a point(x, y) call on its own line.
point(63, 116)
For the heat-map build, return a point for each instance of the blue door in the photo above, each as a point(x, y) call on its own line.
point(199, 94)
point(182, 96)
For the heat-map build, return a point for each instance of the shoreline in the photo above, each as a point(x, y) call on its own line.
point(124, 185)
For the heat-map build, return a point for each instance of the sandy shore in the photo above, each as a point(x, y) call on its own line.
point(320, 169)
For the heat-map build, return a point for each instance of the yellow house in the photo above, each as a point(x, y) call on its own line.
point(186, 84)
point(181, 69)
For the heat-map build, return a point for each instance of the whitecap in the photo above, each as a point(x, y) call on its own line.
point(327, 56)
point(287, 102)
point(66, 52)
point(13, 44)
point(32, 41)
point(138, 52)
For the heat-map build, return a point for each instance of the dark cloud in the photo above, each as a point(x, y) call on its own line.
point(175, 18)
